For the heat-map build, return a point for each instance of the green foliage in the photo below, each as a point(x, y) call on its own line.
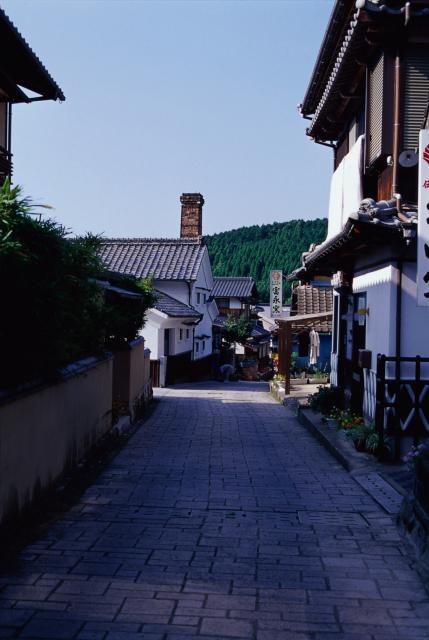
point(326, 399)
point(346, 419)
point(254, 251)
point(366, 438)
point(124, 317)
point(53, 309)
point(236, 329)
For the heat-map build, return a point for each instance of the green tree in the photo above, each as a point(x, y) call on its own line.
point(236, 330)
point(254, 251)
point(53, 308)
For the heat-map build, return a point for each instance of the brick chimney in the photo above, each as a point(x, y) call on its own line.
point(191, 221)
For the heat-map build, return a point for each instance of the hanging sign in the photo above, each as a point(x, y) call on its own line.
point(423, 221)
point(276, 298)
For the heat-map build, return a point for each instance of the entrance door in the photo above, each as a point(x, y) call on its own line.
point(167, 342)
point(359, 342)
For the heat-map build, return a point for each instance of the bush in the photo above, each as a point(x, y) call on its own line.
point(53, 310)
point(326, 399)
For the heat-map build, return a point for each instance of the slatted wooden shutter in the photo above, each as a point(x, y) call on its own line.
point(376, 90)
point(415, 94)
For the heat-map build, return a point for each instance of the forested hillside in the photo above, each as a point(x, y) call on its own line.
point(254, 251)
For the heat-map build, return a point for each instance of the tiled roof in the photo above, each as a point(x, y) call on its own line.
point(177, 259)
point(257, 331)
point(174, 308)
point(233, 287)
point(375, 222)
point(21, 65)
point(307, 299)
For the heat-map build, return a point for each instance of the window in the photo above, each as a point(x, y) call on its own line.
point(416, 90)
point(180, 334)
point(204, 345)
point(198, 298)
point(379, 109)
point(197, 347)
point(187, 334)
point(204, 298)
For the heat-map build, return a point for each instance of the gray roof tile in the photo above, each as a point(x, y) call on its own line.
point(240, 287)
point(164, 259)
point(174, 308)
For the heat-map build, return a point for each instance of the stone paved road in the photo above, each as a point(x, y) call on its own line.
point(221, 518)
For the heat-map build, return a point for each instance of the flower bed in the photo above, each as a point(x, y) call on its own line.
point(364, 436)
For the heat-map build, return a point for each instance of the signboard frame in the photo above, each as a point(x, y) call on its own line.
point(276, 293)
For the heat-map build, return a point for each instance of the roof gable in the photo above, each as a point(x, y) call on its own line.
point(163, 259)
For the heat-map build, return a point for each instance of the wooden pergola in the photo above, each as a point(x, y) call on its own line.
point(287, 328)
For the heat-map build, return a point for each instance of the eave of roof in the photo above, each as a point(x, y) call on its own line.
point(338, 17)
point(355, 232)
point(353, 50)
point(319, 321)
point(174, 308)
point(22, 67)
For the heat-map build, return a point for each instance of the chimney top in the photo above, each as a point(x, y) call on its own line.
point(195, 198)
point(191, 221)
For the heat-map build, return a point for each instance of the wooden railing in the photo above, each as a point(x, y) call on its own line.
point(402, 402)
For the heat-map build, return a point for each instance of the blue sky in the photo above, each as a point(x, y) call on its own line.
point(167, 97)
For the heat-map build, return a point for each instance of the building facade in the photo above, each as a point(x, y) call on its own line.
point(367, 99)
point(179, 328)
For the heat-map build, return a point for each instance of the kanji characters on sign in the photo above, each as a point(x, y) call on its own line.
point(276, 284)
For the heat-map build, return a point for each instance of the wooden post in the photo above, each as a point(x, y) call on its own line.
point(282, 349)
point(288, 355)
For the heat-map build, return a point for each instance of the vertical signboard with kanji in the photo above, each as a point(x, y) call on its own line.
point(276, 298)
point(423, 224)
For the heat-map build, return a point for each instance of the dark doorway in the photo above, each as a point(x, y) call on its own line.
point(359, 342)
point(167, 344)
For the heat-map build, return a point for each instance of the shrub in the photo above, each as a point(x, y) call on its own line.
point(53, 309)
point(346, 419)
point(366, 438)
point(326, 399)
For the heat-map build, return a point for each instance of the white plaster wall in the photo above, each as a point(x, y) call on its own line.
point(204, 284)
point(415, 319)
point(150, 333)
point(154, 334)
point(380, 287)
point(156, 322)
point(346, 188)
point(235, 303)
point(176, 289)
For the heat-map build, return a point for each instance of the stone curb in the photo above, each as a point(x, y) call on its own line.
point(335, 440)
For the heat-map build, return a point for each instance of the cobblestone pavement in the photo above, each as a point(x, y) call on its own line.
point(222, 518)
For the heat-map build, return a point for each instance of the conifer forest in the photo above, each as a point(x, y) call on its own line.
point(254, 251)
